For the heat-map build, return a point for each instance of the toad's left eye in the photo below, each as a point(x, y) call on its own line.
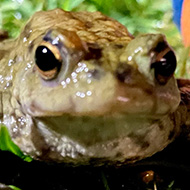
point(164, 66)
point(48, 61)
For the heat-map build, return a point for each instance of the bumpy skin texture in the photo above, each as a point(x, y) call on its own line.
point(104, 104)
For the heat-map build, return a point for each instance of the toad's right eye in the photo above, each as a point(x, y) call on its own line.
point(48, 61)
point(164, 65)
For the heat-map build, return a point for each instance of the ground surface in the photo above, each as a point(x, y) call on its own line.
point(171, 166)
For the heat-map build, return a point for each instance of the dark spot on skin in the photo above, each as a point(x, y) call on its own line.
point(160, 125)
point(94, 52)
point(3, 35)
point(95, 74)
point(149, 91)
point(2, 53)
point(115, 144)
point(145, 145)
point(139, 140)
point(88, 24)
point(30, 47)
point(171, 135)
point(118, 46)
point(47, 37)
point(173, 132)
point(119, 155)
point(174, 121)
point(124, 73)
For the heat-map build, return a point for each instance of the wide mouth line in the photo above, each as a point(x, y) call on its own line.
point(111, 114)
point(109, 127)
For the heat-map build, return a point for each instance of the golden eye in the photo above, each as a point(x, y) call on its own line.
point(48, 60)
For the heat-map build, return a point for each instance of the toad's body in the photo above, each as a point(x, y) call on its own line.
point(77, 87)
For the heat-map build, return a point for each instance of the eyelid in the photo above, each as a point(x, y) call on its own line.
point(53, 49)
point(161, 54)
point(47, 75)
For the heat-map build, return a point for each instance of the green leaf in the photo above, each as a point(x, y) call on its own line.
point(105, 182)
point(14, 188)
point(6, 144)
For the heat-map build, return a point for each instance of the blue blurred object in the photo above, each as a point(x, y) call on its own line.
point(177, 9)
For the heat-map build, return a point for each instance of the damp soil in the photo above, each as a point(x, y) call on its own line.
point(171, 169)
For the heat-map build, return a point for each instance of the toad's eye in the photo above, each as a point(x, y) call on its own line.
point(164, 66)
point(48, 61)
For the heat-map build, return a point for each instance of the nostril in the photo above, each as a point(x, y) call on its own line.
point(124, 73)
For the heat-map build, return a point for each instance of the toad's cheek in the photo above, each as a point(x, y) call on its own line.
point(86, 96)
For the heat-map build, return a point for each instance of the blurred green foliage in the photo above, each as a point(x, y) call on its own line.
point(6, 144)
point(139, 16)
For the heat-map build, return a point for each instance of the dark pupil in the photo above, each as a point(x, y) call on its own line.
point(45, 59)
point(166, 66)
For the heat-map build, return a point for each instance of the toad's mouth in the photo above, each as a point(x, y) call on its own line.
point(116, 138)
point(89, 131)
